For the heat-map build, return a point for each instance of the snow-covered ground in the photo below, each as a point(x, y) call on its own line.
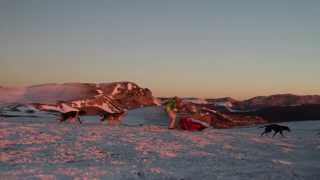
point(41, 148)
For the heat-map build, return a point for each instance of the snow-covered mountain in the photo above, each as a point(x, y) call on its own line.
point(275, 108)
point(110, 97)
point(225, 102)
point(261, 102)
point(279, 100)
point(194, 100)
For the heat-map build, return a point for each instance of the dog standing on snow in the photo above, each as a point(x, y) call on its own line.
point(113, 118)
point(71, 115)
point(276, 128)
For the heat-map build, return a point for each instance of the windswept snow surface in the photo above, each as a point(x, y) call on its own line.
point(32, 148)
point(24, 111)
point(154, 115)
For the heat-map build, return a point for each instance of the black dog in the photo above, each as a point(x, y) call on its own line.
point(276, 128)
point(71, 114)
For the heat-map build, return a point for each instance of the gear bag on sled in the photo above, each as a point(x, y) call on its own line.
point(190, 124)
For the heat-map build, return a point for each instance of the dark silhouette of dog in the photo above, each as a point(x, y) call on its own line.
point(71, 114)
point(113, 118)
point(276, 128)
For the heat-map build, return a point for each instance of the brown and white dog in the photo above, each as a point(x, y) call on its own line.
point(113, 118)
point(71, 115)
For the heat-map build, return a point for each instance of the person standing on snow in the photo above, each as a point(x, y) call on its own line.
point(172, 107)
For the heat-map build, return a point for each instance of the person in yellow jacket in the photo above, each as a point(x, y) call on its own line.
point(172, 107)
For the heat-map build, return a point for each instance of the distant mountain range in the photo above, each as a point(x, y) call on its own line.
point(274, 108)
point(259, 102)
point(280, 100)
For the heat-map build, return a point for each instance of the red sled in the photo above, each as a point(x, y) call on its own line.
point(190, 124)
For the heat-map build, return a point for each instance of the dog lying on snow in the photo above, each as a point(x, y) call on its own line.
point(276, 128)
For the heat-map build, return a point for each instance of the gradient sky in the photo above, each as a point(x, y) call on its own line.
point(203, 48)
